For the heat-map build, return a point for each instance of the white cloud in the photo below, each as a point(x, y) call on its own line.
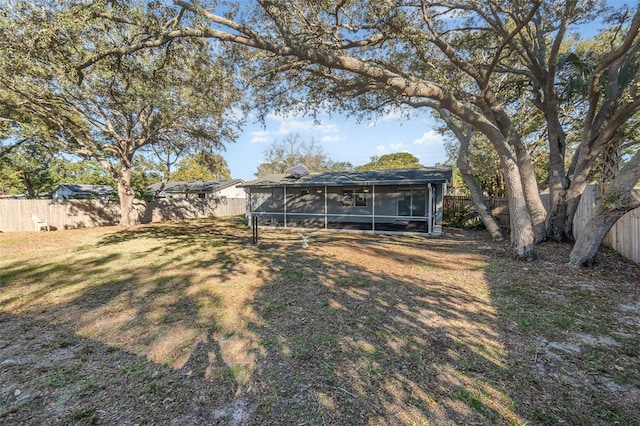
point(329, 139)
point(381, 149)
point(430, 138)
point(398, 147)
point(260, 136)
point(397, 114)
point(304, 126)
point(292, 124)
point(281, 126)
point(391, 148)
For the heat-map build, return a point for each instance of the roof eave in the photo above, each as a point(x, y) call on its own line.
point(353, 183)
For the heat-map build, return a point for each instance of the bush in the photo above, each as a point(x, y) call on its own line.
point(464, 218)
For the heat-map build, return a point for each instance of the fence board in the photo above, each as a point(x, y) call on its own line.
point(624, 236)
point(15, 215)
point(162, 210)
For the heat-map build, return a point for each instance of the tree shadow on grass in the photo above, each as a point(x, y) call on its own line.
point(134, 296)
point(404, 330)
point(203, 233)
point(357, 331)
point(179, 375)
point(50, 375)
point(353, 330)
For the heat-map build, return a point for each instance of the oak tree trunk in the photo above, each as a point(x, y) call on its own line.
point(128, 213)
point(618, 199)
point(475, 190)
point(558, 181)
point(586, 248)
point(522, 234)
point(560, 223)
point(531, 192)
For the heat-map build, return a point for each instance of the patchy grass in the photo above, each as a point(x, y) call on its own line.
point(188, 323)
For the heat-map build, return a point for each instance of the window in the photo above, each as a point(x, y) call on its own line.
point(412, 202)
point(351, 197)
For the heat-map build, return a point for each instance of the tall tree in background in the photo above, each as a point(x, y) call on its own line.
point(202, 166)
point(291, 151)
point(145, 172)
point(123, 104)
point(85, 172)
point(398, 160)
point(28, 169)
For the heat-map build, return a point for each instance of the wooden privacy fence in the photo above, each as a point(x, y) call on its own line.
point(624, 236)
point(15, 215)
point(163, 210)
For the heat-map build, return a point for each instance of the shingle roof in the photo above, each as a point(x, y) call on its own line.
point(89, 189)
point(195, 186)
point(368, 177)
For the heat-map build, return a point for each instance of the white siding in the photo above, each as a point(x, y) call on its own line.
point(232, 192)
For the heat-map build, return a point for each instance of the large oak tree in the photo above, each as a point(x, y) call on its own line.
point(178, 94)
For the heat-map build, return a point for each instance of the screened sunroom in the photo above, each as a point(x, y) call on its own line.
point(406, 200)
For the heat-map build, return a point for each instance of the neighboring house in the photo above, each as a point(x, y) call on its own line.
point(199, 189)
point(69, 191)
point(405, 200)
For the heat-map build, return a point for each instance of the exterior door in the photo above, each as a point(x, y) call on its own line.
point(412, 202)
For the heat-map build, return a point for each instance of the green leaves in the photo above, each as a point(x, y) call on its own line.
point(400, 160)
point(202, 166)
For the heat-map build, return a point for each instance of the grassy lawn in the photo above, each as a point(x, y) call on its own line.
point(188, 323)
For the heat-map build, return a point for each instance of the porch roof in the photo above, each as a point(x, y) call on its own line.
point(415, 176)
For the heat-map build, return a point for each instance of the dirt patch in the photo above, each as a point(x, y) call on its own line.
point(189, 323)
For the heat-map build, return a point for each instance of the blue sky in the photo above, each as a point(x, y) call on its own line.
point(342, 138)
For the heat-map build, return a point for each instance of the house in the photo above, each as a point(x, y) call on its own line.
point(199, 189)
point(405, 200)
point(69, 191)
